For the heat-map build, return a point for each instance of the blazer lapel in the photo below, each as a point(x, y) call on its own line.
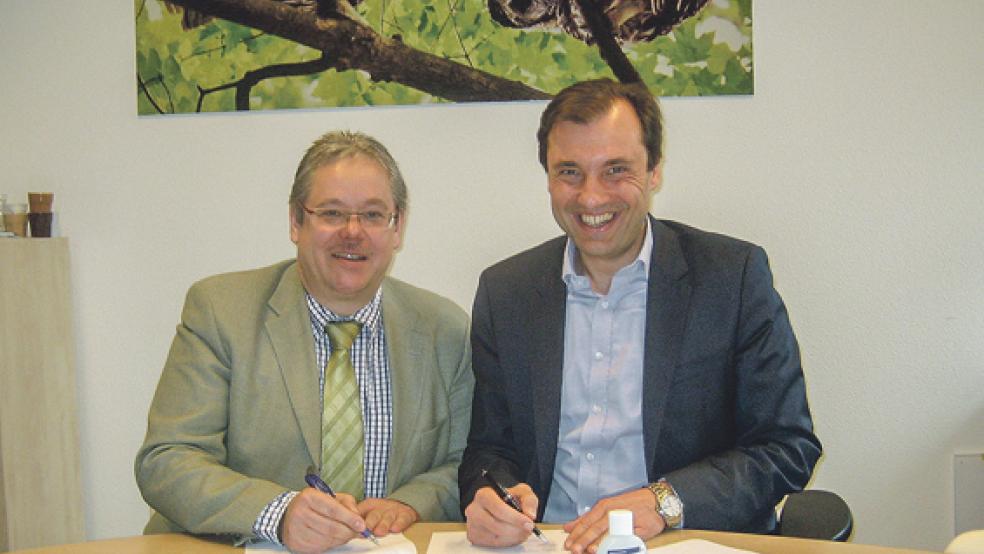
point(667, 303)
point(403, 346)
point(289, 330)
point(548, 308)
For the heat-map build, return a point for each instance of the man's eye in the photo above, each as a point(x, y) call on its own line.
point(567, 172)
point(617, 169)
point(332, 215)
point(374, 215)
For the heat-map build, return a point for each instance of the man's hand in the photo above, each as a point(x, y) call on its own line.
point(587, 531)
point(492, 522)
point(315, 522)
point(384, 516)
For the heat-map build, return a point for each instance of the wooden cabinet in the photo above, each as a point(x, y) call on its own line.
point(40, 479)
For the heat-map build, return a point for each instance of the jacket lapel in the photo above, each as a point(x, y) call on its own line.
point(403, 347)
point(289, 330)
point(548, 309)
point(667, 303)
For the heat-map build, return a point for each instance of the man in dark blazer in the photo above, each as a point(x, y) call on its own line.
point(634, 363)
point(240, 411)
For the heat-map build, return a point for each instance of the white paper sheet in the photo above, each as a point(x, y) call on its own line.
point(697, 546)
point(457, 543)
point(390, 544)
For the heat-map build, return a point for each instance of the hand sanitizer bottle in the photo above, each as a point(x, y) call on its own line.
point(620, 539)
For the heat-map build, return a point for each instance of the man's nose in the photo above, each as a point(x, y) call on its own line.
point(592, 192)
point(353, 225)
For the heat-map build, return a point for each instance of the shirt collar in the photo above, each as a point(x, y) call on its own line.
point(645, 253)
point(369, 315)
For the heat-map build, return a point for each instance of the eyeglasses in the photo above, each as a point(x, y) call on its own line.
point(369, 219)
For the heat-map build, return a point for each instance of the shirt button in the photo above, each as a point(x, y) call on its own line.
point(596, 409)
point(599, 355)
point(604, 304)
point(589, 456)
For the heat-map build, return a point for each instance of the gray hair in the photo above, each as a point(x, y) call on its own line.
point(334, 146)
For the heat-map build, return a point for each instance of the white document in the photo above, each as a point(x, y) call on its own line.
point(390, 544)
point(697, 546)
point(456, 542)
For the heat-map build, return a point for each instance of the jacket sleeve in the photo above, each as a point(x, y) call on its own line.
point(181, 467)
point(774, 449)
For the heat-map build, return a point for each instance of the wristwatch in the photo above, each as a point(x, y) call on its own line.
point(668, 504)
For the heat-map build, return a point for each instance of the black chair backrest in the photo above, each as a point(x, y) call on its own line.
point(816, 514)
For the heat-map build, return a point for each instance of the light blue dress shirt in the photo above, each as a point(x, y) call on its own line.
point(600, 445)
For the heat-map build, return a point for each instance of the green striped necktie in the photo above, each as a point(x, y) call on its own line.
point(341, 420)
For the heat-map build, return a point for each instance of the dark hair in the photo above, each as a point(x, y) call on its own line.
point(588, 100)
point(334, 146)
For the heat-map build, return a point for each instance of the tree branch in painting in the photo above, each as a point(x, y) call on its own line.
point(147, 94)
point(609, 48)
point(252, 78)
point(349, 43)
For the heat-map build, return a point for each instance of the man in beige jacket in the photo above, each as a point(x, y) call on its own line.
point(238, 418)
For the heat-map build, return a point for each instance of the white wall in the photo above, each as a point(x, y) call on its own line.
point(857, 164)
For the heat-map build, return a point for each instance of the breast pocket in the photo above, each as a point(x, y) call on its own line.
point(429, 449)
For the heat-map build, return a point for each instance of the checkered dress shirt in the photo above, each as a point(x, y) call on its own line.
point(372, 372)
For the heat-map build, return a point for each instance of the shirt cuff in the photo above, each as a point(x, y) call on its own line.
point(268, 521)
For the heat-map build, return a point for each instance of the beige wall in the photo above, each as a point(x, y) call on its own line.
point(857, 164)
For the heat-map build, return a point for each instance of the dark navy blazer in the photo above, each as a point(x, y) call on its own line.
point(726, 419)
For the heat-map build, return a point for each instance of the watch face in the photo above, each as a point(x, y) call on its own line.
point(672, 505)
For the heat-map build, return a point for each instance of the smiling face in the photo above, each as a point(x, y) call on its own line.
point(599, 187)
point(342, 267)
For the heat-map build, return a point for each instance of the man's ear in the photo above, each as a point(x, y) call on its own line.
point(656, 178)
point(295, 227)
point(400, 229)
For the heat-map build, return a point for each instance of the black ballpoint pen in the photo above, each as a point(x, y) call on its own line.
point(317, 482)
point(511, 500)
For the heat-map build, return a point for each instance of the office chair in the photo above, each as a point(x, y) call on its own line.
point(816, 514)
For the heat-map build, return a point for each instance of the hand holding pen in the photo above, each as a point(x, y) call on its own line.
point(511, 501)
point(314, 522)
point(314, 481)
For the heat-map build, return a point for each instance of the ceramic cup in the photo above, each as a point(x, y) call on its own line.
point(40, 224)
point(40, 202)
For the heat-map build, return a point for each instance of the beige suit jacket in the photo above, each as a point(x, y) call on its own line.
point(236, 419)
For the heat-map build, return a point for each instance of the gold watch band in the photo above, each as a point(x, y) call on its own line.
point(668, 504)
